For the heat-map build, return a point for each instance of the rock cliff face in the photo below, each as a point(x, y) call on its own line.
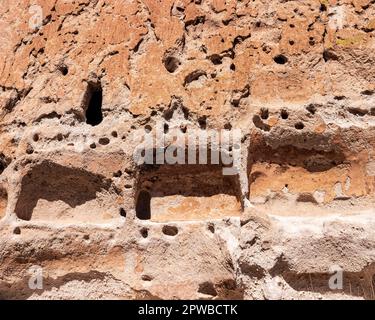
point(82, 83)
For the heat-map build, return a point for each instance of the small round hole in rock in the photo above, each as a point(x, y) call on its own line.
point(291, 42)
point(280, 59)
point(216, 59)
point(148, 128)
point(122, 212)
point(114, 134)
point(311, 108)
point(233, 67)
point(117, 174)
point(299, 126)
point(264, 113)
point(64, 70)
point(171, 231)
point(202, 122)
point(29, 150)
point(36, 137)
point(211, 228)
point(104, 141)
point(144, 233)
point(228, 126)
point(17, 230)
point(93, 145)
point(284, 114)
point(171, 64)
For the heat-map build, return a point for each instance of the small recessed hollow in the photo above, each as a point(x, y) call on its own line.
point(368, 92)
point(35, 137)
point(329, 54)
point(146, 277)
point(280, 59)
point(117, 174)
point(171, 64)
point(202, 122)
point(122, 212)
point(216, 59)
point(104, 141)
point(299, 126)
point(64, 70)
point(144, 233)
point(228, 126)
point(171, 231)
point(284, 114)
point(211, 227)
point(264, 113)
point(311, 108)
point(207, 288)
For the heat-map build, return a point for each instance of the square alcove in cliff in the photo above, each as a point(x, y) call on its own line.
point(187, 192)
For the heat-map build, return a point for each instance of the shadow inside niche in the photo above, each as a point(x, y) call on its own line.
point(53, 182)
point(356, 284)
point(20, 290)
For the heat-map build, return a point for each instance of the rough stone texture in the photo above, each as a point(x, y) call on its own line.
point(298, 79)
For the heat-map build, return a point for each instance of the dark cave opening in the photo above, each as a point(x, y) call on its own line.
point(94, 115)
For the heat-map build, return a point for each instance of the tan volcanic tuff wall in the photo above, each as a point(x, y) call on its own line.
point(81, 81)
